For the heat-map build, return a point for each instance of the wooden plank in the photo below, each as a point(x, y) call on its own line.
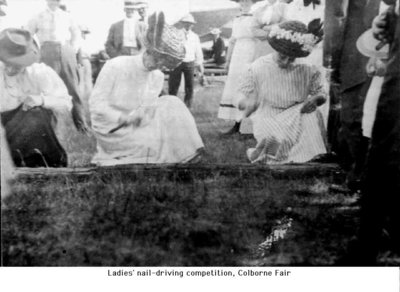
point(185, 170)
point(215, 71)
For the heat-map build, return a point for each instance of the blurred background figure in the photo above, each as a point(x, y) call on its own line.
point(2, 3)
point(3, 13)
point(59, 43)
point(216, 55)
point(142, 7)
point(125, 37)
point(268, 13)
point(193, 59)
point(85, 68)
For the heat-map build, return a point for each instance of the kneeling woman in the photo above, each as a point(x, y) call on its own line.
point(284, 97)
point(32, 95)
point(132, 124)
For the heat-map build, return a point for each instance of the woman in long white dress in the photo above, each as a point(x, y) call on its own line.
point(284, 96)
point(131, 122)
point(248, 37)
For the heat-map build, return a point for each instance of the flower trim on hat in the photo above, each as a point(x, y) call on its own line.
point(306, 40)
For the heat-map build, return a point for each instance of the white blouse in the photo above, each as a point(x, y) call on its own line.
point(37, 79)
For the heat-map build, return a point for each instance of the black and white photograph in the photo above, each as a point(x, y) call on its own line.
point(200, 133)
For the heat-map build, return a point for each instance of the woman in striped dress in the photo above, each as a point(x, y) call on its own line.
point(284, 96)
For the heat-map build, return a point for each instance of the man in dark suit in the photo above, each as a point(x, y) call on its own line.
point(125, 37)
point(345, 21)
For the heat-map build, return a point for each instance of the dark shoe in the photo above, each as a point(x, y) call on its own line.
point(234, 130)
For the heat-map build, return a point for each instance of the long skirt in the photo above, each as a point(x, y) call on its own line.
point(296, 137)
point(167, 134)
point(243, 55)
point(31, 138)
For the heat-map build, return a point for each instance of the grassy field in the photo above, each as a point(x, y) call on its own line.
point(121, 219)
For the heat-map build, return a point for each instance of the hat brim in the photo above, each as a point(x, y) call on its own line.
point(366, 45)
point(31, 56)
point(287, 48)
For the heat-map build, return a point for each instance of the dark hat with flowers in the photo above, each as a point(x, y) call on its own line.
point(294, 38)
point(164, 38)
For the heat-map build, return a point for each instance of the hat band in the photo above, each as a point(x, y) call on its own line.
point(307, 41)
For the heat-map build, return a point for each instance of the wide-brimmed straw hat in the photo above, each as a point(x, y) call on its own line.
point(294, 38)
point(366, 45)
point(164, 38)
point(17, 47)
point(188, 18)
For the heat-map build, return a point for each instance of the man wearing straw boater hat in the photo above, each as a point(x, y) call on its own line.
point(193, 59)
point(125, 37)
point(131, 122)
point(59, 37)
point(31, 95)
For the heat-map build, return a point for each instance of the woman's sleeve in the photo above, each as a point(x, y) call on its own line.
point(104, 118)
point(248, 94)
point(316, 83)
point(52, 89)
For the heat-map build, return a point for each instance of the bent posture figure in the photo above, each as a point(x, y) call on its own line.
point(32, 95)
point(284, 96)
point(131, 123)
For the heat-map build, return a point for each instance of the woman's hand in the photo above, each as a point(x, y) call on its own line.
point(32, 101)
point(127, 120)
point(311, 104)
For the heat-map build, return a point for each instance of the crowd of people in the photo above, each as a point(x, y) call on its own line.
point(268, 93)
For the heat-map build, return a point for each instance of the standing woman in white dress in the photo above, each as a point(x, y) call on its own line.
point(248, 31)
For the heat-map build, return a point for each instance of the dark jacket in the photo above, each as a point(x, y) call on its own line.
point(114, 44)
point(345, 21)
point(218, 51)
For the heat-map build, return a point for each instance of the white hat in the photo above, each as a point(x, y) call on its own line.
point(215, 31)
point(366, 45)
point(136, 4)
point(188, 18)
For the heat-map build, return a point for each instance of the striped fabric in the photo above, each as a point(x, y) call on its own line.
point(283, 134)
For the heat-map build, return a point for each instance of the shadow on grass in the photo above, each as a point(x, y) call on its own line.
point(153, 221)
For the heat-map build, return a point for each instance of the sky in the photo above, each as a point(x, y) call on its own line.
point(98, 15)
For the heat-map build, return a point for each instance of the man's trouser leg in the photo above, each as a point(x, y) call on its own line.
point(174, 80)
point(63, 60)
point(351, 130)
point(188, 71)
